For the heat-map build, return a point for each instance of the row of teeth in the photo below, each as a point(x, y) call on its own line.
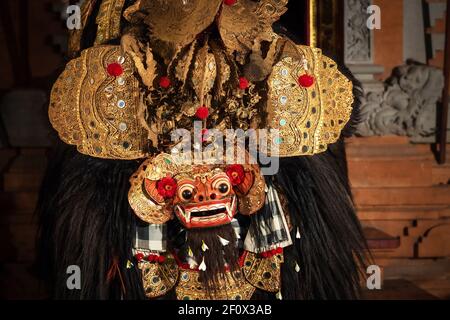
point(229, 208)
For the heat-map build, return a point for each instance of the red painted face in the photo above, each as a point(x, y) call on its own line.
point(207, 200)
point(201, 196)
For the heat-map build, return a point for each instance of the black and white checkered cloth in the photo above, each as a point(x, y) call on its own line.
point(151, 237)
point(269, 229)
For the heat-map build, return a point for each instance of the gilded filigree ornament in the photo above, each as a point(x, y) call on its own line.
point(256, 273)
point(248, 22)
point(178, 22)
point(159, 278)
point(108, 20)
point(232, 286)
point(263, 273)
point(96, 111)
point(308, 118)
point(204, 73)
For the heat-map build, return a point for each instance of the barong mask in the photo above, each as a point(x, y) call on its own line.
point(157, 66)
point(198, 195)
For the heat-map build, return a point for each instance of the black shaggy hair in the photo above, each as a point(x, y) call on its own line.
point(85, 220)
point(331, 250)
point(216, 256)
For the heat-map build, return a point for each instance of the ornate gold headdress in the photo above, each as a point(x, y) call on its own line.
point(210, 60)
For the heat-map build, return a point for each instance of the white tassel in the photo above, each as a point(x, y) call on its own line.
point(223, 241)
point(297, 267)
point(192, 263)
point(204, 246)
point(202, 266)
point(298, 235)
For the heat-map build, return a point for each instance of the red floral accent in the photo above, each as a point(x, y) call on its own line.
point(114, 69)
point(156, 258)
point(271, 253)
point(236, 174)
point(243, 83)
point(306, 80)
point(164, 82)
point(139, 257)
point(202, 113)
point(167, 187)
point(230, 2)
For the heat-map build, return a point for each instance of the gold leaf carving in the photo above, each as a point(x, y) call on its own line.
point(205, 72)
point(248, 21)
point(177, 23)
point(108, 20)
point(97, 112)
point(308, 119)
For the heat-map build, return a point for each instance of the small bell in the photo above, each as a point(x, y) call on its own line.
point(297, 267)
point(202, 266)
point(204, 246)
point(190, 253)
point(223, 241)
point(279, 296)
point(129, 264)
point(298, 235)
point(192, 263)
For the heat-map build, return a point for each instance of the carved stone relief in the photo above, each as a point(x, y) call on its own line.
point(407, 106)
point(358, 40)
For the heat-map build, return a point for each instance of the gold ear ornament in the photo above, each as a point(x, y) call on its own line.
point(95, 103)
point(309, 101)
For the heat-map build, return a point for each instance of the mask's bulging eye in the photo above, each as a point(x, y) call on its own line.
point(223, 188)
point(186, 194)
point(222, 184)
point(186, 191)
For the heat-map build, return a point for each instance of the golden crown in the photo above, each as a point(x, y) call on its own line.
point(215, 61)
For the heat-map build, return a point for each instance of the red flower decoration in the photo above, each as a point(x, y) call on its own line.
point(114, 69)
point(306, 80)
point(139, 256)
point(164, 82)
point(202, 113)
point(230, 2)
point(243, 83)
point(236, 174)
point(167, 187)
